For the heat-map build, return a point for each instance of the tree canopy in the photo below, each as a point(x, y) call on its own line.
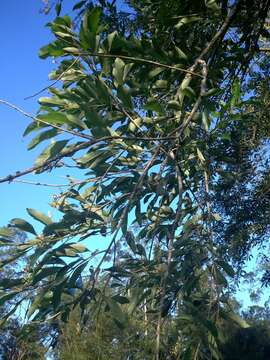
point(162, 108)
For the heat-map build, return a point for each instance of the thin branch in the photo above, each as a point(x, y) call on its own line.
point(49, 162)
point(55, 82)
point(170, 251)
point(264, 49)
point(36, 119)
point(29, 182)
point(70, 151)
point(152, 62)
point(133, 194)
point(220, 33)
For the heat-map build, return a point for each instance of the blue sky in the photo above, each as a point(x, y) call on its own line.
point(22, 74)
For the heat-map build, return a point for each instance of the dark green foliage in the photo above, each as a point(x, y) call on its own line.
point(249, 344)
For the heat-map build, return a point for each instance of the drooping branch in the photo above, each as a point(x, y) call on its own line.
point(138, 59)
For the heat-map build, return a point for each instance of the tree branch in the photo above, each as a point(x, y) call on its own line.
point(36, 119)
point(152, 62)
point(53, 83)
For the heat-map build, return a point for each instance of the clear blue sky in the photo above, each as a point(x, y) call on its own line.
point(22, 74)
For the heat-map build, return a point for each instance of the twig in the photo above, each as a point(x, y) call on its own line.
point(170, 252)
point(264, 49)
point(145, 170)
point(47, 163)
point(39, 183)
point(53, 83)
point(69, 151)
point(36, 119)
point(152, 62)
point(221, 31)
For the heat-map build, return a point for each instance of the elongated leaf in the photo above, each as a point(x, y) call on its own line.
point(5, 232)
point(226, 267)
point(7, 296)
point(76, 274)
point(131, 242)
point(79, 4)
point(54, 117)
point(116, 311)
point(51, 151)
point(44, 219)
point(23, 225)
point(93, 19)
point(41, 137)
point(110, 39)
point(78, 247)
point(45, 272)
point(8, 283)
point(118, 71)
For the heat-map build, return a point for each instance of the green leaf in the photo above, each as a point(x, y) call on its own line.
point(212, 5)
point(23, 225)
point(141, 250)
point(127, 69)
point(45, 272)
point(124, 222)
point(123, 94)
point(41, 137)
point(72, 50)
point(79, 4)
point(153, 105)
point(135, 124)
point(58, 8)
point(103, 92)
point(161, 84)
point(118, 71)
point(131, 241)
point(174, 105)
point(5, 297)
point(44, 219)
point(76, 274)
point(51, 151)
point(138, 213)
point(8, 283)
point(180, 53)
point(51, 101)
point(78, 247)
point(205, 120)
point(156, 71)
point(53, 49)
point(234, 317)
point(136, 295)
point(121, 299)
point(219, 277)
point(186, 20)
point(93, 20)
point(116, 311)
point(54, 117)
point(226, 267)
point(5, 232)
point(110, 39)
point(200, 155)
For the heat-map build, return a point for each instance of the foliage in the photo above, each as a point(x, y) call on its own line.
point(159, 126)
